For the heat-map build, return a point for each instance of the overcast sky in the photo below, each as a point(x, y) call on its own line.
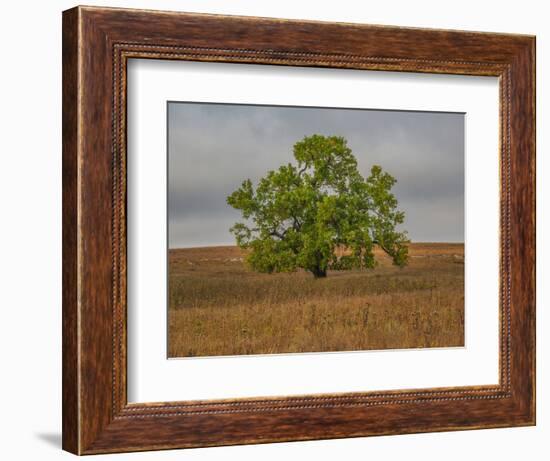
point(212, 148)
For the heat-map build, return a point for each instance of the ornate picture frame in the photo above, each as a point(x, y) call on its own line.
point(97, 44)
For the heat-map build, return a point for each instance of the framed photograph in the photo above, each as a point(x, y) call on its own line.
point(281, 230)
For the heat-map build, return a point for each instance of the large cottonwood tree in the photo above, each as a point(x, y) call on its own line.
point(319, 213)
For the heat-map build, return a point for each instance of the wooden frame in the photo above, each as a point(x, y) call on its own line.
point(97, 43)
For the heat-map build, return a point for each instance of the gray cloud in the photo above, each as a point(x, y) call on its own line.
point(212, 148)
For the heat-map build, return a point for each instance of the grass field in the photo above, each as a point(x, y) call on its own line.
point(219, 307)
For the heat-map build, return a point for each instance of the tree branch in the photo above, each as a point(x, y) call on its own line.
point(275, 233)
point(296, 225)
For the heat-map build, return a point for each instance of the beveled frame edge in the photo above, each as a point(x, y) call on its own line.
point(97, 42)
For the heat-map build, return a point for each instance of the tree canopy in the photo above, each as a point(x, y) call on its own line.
point(319, 213)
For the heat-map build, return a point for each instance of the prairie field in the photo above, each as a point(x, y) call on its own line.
point(217, 306)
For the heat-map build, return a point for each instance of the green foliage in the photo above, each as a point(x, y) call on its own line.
point(320, 214)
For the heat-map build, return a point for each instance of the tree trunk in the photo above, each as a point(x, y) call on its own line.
point(319, 272)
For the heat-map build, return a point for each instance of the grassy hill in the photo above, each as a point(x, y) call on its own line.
point(217, 306)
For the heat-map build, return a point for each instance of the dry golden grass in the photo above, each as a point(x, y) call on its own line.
point(219, 307)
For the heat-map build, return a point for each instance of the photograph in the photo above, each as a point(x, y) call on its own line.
point(313, 229)
point(278, 224)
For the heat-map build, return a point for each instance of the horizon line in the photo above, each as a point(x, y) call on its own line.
point(234, 245)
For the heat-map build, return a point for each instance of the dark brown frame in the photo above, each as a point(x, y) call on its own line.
point(97, 43)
